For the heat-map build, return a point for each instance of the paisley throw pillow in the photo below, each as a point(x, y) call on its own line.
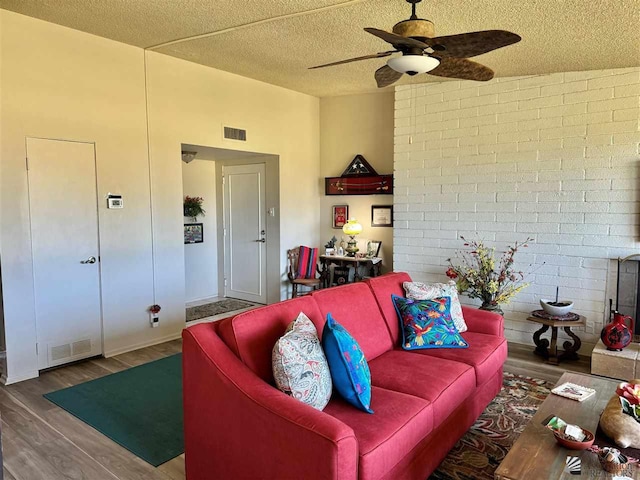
point(429, 291)
point(299, 365)
point(427, 324)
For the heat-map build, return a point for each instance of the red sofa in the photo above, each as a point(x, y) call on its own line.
point(237, 425)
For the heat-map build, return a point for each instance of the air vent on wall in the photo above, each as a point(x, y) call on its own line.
point(81, 347)
point(60, 352)
point(235, 134)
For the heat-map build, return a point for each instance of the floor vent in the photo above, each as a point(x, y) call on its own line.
point(235, 134)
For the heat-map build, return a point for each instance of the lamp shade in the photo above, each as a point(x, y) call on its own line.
point(413, 64)
point(352, 227)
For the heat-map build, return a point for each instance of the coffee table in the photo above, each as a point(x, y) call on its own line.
point(537, 455)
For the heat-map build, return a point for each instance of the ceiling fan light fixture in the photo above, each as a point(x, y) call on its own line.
point(413, 64)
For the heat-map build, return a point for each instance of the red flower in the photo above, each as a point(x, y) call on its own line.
point(451, 273)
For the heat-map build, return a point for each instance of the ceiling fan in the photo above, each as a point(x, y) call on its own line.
point(423, 53)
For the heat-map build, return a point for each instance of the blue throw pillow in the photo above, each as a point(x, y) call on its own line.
point(427, 323)
point(349, 369)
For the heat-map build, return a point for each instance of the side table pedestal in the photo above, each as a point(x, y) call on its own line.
point(549, 350)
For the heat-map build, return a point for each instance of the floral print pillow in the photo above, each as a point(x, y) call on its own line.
point(429, 291)
point(427, 324)
point(299, 365)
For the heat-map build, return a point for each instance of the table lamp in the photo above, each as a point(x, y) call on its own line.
point(352, 228)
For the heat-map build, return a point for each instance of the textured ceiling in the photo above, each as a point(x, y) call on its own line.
point(276, 40)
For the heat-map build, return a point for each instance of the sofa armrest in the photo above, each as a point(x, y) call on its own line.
point(238, 426)
point(481, 321)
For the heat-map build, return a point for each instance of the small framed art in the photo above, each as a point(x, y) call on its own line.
point(382, 215)
point(340, 214)
point(193, 233)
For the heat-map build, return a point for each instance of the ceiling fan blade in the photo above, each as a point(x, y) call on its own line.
point(397, 40)
point(463, 69)
point(365, 57)
point(386, 75)
point(470, 44)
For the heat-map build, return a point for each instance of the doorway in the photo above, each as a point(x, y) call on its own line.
point(245, 234)
point(225, 249)
point(65, 248)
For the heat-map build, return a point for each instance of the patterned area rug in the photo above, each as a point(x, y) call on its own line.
point(477, 455)
point(216, 308)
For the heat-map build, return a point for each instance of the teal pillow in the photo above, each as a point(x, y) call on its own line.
point(427, 323)
point(349, 369)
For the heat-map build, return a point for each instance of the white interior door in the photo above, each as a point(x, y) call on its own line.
point(245, 232)
point(66, 257)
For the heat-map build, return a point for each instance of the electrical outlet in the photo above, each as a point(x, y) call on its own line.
point(155, 321)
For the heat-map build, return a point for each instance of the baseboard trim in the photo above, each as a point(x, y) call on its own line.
point(137, 346)
point(18, 378)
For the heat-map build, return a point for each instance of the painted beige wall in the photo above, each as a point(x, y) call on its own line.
point(201, 259)
point(190, 103)
point(65, 84)
point(62, 84)
point(351, 125)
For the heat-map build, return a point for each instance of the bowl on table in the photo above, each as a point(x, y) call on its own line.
point(573, 444)
point(558, 309)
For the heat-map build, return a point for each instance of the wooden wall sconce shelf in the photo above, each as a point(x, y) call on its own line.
point(359, 178)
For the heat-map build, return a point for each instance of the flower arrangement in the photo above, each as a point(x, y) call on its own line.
point(477, 276)
point(629, 394)
point(193, 207)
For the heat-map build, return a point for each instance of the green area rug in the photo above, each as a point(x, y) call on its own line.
point(139, 408)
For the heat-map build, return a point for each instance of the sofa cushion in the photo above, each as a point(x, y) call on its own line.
point(383, 287)
point(251, 335)
point(486, 354)
point(427, 323)
point(355, 307)
point(444, 383)
point(348, 366)
point(300, 368)
point(401, 421)
point(429, 291)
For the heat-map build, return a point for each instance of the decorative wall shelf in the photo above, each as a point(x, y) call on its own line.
point(359, 178)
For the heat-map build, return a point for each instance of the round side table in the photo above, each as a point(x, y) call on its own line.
point(549, 351)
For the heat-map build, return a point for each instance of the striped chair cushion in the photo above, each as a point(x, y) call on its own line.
point(307, 262)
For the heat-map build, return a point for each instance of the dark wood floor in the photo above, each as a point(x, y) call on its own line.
point(42, 441)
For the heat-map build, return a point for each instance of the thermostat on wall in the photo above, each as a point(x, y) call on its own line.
point(115, 201)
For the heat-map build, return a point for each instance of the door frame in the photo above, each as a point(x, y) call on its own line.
point(272, 194)
point(29, 199)
point(258, 169)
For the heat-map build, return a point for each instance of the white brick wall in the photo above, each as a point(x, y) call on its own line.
point(555, 157)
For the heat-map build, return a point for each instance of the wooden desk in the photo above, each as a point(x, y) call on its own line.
point(550, 352)
point(537, 455)
point(372, 264)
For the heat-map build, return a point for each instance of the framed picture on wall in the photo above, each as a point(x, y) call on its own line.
point(382, 215)
point(193, 233)
point(340, 215)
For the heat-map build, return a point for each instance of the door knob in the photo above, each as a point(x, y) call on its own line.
point(262, 240)
point(91, 259)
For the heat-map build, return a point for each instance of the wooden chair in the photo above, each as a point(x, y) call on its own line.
point(293, 256)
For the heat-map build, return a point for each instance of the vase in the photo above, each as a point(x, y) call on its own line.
point(616, 335)
point(491, 307)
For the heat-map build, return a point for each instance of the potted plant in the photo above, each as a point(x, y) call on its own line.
point(193, 207)
point(477, 277)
